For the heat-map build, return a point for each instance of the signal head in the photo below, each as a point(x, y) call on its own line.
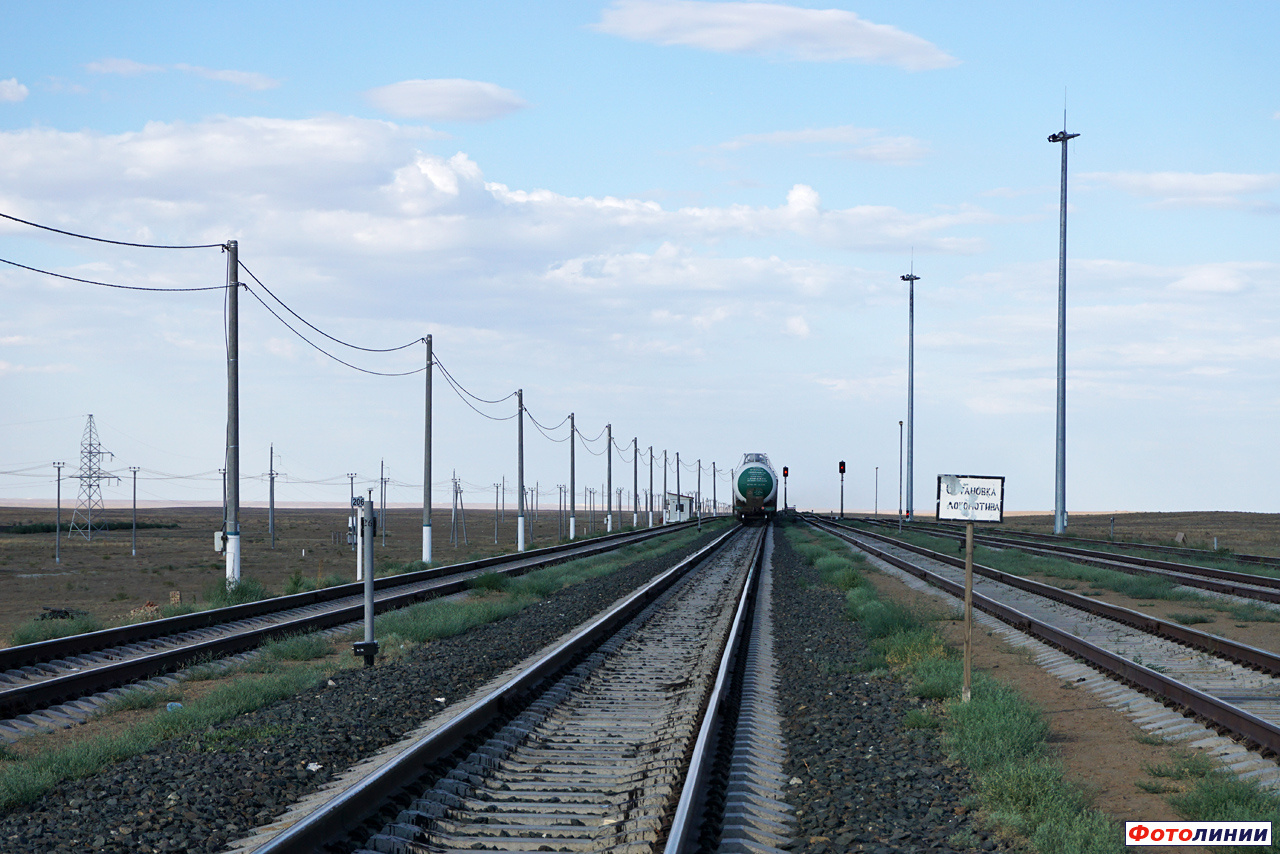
point(842, 467)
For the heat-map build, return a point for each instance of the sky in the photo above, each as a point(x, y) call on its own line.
point(686, 220)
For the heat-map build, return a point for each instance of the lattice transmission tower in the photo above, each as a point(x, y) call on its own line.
point(90, 477)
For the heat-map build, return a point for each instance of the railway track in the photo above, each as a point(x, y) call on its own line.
point(1242, 585)
point(1085, 542)
point(62, 682)
point(1232, 685)
point(625, 736)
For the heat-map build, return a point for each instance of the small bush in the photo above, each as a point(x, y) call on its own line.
point(906, 648)
point(493, 581)
point(219, 595)
point(1190, 619)
point(299, 648)
point(35, 631)
point(1183, 765)
point(920, 719)
point(881, 619)
point(997, 727)
point(140, 698)
point(1221, 797)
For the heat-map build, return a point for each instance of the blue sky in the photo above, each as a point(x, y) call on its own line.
point(687, 219)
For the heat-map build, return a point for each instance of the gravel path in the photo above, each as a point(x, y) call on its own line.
point(866, 782)
point(178, 797)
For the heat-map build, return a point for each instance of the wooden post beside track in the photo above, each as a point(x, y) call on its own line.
point(968, 609)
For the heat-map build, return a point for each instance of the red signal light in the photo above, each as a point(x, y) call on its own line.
point(784, 471)
point(842, 467)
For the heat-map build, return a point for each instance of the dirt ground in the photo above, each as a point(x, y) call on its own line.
point(103, 577)
point(1099, 746)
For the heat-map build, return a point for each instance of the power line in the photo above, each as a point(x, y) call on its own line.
point(277, 316)
point(115, 242)
point(543, 430)
point(463, 389)
point(105, 284)
point(321, 331)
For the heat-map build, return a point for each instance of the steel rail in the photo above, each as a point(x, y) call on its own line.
point(1189, 575)
point(1230, 717)
point(1250, 656)
point(682, 836)
point(33, 696)
point(13, 658)
point(353, 806)
point(1260, 560)
point(1223, 714)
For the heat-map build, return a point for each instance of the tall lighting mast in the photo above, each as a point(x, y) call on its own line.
point(911, 279)
point(1060, 469)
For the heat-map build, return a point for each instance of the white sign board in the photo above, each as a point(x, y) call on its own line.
point(970, 498)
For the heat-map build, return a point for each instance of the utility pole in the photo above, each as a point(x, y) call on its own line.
point(495, 514)
point(382, 513)
point(877, 510)
point(714, 509)
point(134, 469)
point(911, 279)
point(679, 494)
point(426, 466)
point(664, 487)
point(271, 495)
point(608, 488)
point(651, 486)
point(573, 486)
point(233, 413)
point(351, 476)
point(699, 493)
point(520, 467)
point(57, 525)
point(1060, 468)
point(635, 482)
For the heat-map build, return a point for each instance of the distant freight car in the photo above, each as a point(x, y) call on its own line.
point(755, 489)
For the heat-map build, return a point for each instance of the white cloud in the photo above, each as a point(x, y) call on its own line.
point(124, 67)
point(13, 91)
point(796, 326)
point(1190, 189)
point(770, 29)
point(131, 68)
point(247, 79)
point(445, 100)
point(863, 143)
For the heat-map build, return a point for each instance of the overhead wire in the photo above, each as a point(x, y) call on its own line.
point(105, 284)
point(287, 325)
point(115, 242)
point(321, 331)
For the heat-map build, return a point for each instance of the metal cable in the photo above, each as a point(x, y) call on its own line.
point(115, 242)
point(277, 316)
point(106, 284)
point(321, 331)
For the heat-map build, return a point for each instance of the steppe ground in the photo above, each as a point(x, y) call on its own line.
point(102, 577)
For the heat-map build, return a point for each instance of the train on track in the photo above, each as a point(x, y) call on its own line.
point(755, 489)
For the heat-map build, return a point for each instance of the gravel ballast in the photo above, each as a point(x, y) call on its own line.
point(185, 796)
point(865, 781)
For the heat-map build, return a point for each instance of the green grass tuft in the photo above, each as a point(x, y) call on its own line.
point(218, 595)
point(299, 648)
point(35, 631)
